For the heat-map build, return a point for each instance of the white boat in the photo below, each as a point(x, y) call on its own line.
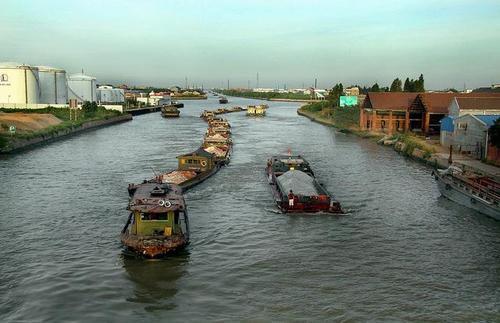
point(474, 191)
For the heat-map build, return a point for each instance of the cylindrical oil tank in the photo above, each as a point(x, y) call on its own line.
point(108, 94)
point(105, 94)
point(53, 85)
point(82, 87)
point(19, 84)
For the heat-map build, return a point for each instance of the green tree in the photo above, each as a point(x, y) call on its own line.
point(494, 133)
point(419, 84)
point(375, 88)
point(406, 86)
point(335, 93)
point(396, 85)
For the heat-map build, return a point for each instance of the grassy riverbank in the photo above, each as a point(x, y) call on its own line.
point(346, 119)
point(60, 114)
point(266, 95)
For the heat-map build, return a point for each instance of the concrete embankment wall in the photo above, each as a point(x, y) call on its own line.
point(21, 144)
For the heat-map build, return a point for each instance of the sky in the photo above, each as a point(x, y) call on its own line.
point(161, 43)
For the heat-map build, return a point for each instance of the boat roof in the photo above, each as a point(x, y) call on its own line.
point(198, 152)
point(156, 198)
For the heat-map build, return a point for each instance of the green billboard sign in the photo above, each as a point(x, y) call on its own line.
point(348, 100)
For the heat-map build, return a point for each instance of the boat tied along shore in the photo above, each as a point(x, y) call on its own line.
point(158, 223)
point(469, 189)
point(295, 188)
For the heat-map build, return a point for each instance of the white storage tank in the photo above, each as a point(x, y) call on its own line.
point(19, 84)
point(108, 94)
point(53, 85)
point(82, 87)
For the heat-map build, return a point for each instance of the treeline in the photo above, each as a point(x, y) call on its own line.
point(409, 85)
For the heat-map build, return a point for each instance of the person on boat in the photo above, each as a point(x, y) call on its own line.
point(291, 198)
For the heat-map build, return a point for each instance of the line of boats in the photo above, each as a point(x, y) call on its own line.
point(171, 110)
point(158, 223)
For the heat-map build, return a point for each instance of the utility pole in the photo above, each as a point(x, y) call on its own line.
point(228, 84)
point(315, 83)
point(186, 83)
point(257, 79)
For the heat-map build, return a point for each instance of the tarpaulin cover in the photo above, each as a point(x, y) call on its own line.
point(299, 182)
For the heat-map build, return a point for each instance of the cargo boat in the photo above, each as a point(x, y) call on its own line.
point(158, 223)
point(177, 104)
point(193, 168)
point(170, 112)
point(256, 110)
point(477, 192)
point(223, 100)
point(295, 188)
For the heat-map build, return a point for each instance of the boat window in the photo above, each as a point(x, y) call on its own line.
point(154, 216)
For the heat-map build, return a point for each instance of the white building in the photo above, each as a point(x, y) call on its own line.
point(474, 105)
point(108, 94)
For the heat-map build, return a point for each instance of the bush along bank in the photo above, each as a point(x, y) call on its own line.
point(346, 119)
point(89, 117)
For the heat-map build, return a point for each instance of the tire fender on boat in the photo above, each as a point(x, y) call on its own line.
point(165, 203)
point(203, 163)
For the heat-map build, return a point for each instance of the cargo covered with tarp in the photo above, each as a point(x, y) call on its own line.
point(299, 183)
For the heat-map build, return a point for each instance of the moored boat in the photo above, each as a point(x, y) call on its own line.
point(158, 223)
point(295, 189)
point(475, 191)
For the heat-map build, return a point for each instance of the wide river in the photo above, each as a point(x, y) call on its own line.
point(402, 253)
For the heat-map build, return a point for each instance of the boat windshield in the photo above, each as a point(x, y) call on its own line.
point(155, 216)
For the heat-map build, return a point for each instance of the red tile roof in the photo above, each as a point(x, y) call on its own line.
point(439, 102)
point(479, 103)
point(395, 101)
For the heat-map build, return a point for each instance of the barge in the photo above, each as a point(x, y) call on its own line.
point(223, 100)
point(295, 188)
point(477, 192)
point(256, 110)
point(158, 223)
point(170, 112)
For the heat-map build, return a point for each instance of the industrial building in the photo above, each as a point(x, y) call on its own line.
point(53, 85)
point(82, 88)
point(19, 84)
point(108, 94)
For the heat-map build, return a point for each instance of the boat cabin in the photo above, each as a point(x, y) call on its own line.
point(282, 164)
point(157, 210)
point(199, 160)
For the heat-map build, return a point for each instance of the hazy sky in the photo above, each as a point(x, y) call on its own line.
point(162, 42)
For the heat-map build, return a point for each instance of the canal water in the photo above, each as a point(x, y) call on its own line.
point(401, 253)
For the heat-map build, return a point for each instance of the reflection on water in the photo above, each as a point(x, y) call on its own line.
point(155, 281)
point(402, 253)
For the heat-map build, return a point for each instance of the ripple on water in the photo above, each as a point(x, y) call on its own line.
point(402, 253)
